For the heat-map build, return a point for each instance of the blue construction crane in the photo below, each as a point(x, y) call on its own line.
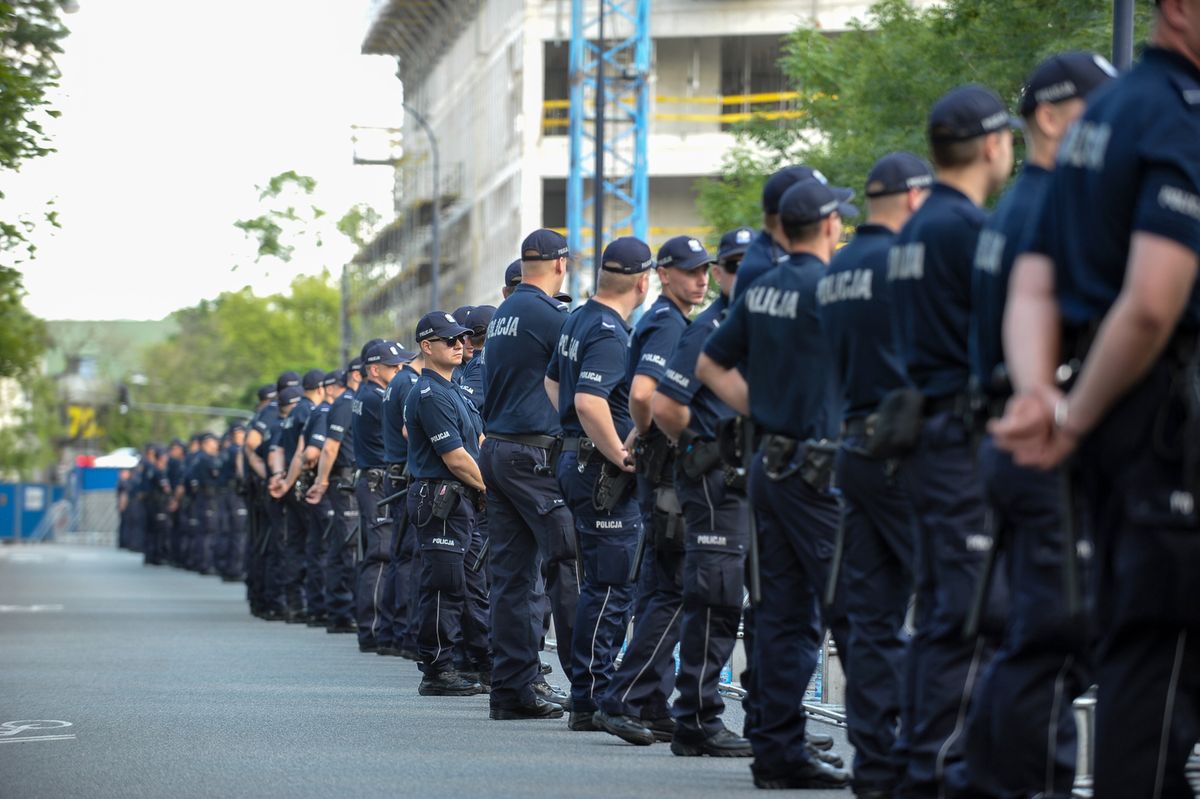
point(609, 119)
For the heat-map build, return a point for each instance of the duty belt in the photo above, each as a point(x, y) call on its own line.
point(532, 440)
point(575, 443)
point(397, 472)
point(957, 404)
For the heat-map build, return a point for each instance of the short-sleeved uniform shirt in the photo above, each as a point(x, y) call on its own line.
point(521, 341)
point(395, 445)
point(590, 358)
point(206, 470)
point(367, 424)
point(175, 472)
point(439, 421)
point(856, 314)
point(471, 381)
point(266, 423)
point(775, 329)
point(292, 428)
point(314, 428)
point(1131, 164)
point(339, 428)
point(654, 339)
point(929, 269)
point(1004, 237)
point(680, 382)
point(762, 254)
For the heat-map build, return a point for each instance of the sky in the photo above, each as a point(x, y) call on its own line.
point(172, 114)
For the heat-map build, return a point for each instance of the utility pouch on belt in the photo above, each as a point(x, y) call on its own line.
point(587, 448)
point(893, 430)
point(653, 453)
point(553, 454)
point(612, 487)
point(375, 479)
point(779, 457)
point(731, 436)
point(445, 498)
point(817, 467)
point(700, 458)
point(666, 521)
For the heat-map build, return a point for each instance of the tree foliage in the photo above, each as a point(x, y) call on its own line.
point(867, 91)
point(29, 443)
point(289, 216)
point(225, 349)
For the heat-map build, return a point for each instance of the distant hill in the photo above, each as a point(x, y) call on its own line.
point(113, 348)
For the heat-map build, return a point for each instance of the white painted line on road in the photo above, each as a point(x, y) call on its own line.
point(30, 609)
point(9, 729)
point(27, 739)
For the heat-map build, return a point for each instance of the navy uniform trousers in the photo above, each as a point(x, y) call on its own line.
point(452, 607)
point(797, 527)
point(294, 542)
point(274, 555)
point(374, 614)
point(340, 557)
point(318, 526)
point(942, 479)
point(876, 581)
point(607, 546)
point(531, 530)
point(205, 510)
point(642, 687)
point(715, 518)
point(1147, 537)
point(400, 582)
point(230, 553)
point(1021, 736)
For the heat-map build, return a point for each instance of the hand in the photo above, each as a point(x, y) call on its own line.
point(628, 462)
point(316, 493)
point(276, 488)
point(1027, 429)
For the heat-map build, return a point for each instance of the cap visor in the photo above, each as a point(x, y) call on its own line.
point(727, 254)
point(695, 262)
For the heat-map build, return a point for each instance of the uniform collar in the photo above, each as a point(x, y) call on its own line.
point(435, 377)
point(949, 192)
point(1034, 171)
point(1171, 60)
point(804, 259)
point(603, 310)
point(665, 301)
point(529, 288)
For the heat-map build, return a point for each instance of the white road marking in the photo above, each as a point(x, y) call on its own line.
point(9, 731)
point(27, 739)
point(30, 609)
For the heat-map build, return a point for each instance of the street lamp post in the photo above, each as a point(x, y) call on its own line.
point(1122, 38)
point(435, 247)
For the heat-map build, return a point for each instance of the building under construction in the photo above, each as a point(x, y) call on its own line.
point(509, 88)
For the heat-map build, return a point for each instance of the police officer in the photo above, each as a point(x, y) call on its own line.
point(335, 483)
point(765, 250)
point(206, 474)
point(476, 318)
point(235, 516)
point(531, 528)
point(191, 523)
point(587, 381)
point(287, 534)
point(1021, 737)
point(1110, 280)
point(175, 478)
point(255, 484)
point(635, 705)
point(929, 275)
point(446, 491)
point(797, 410)
point(318, 518)
point(399, 585)
point(381, 360)
point(877, 519)
point(716, 526)
point(269, 549)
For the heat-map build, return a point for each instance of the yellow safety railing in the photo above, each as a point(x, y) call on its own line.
point(554, 116)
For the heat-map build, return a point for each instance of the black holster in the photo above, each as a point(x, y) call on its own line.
point(612, 487)
point(699, 458)
point(893, 430)
point(654, 457)
point(375, 479)
point(813, 460)
point(446, 494)
point(666, 521)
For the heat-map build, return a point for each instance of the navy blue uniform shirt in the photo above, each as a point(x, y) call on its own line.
point(339, 427)
point(471, 381)
point(206, 470)
point(1004, 237)
point(318, 423)
point(856, 314)
point(654, 339)
point(266, 423)
point(368, 427)
point(1131, 164)
point(292, 428)
point(229, 459)
point(439, 421)
point(591, 356)
point(680, 383)
point(520, 344)
point(929, 269)
point(395, 445)
point(775, 329)
point(762, 254)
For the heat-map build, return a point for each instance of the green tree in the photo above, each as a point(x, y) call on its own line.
point(224, 350)
point(867, 91)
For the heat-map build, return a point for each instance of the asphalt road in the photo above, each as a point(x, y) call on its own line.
point(171, 689)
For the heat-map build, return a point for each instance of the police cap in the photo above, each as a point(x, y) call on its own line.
point(1064, 77)
point(627, 255)
point(266, 392)
point(439, 324)
point(898, 172)
point(207, 435)
point(290, 396)
point(312, 379)
point(366, 348)
point(475, 317)
point(811, 201)
point(544, 245)
point(355, 365)
point(781, 181)
point(968, 112)
point(335, 378)
point(512, 275)
point(388, 353)
point(683, 252)
point(286, 380)
point(734, 243)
